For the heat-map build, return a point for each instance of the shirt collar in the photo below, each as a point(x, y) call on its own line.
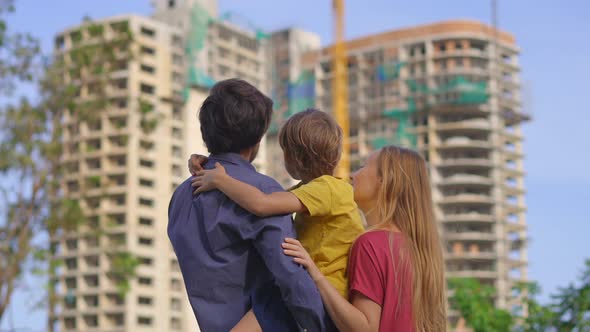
point(232, 158)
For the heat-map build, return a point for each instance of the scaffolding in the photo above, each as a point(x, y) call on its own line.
point(458, 91)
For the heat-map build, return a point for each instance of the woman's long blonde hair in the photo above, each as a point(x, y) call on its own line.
point(405, 200)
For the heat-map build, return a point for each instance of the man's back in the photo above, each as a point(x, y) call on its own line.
point(227, 254)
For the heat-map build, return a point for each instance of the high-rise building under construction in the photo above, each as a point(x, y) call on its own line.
point(452, 91)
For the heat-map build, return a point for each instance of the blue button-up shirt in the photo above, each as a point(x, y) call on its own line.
point(227, 254)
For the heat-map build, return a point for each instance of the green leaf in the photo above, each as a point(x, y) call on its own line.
point(123, 266)
point(145, 107)
point(96, 30)
point(94, 181)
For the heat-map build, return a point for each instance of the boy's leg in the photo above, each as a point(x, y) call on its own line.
point(248, 323)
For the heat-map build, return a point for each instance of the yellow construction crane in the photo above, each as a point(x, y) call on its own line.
point(340, 86)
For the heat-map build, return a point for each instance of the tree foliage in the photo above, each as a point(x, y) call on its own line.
point(567, 311)
point(475, 303)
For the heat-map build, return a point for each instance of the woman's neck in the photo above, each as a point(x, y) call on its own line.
point(372, 218)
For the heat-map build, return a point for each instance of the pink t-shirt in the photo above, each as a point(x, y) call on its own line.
point(372, 273)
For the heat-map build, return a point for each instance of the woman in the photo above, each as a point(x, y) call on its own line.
point(396, 271)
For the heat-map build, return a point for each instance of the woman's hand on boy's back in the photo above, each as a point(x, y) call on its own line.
point(208, 179)
point(294, 248)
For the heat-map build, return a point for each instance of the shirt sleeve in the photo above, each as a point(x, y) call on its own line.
point(365, 273)
point(316, 195)
point(297, 288)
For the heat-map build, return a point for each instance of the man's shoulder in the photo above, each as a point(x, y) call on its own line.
point(263, 182)
point(269, 184)
point(184, 187)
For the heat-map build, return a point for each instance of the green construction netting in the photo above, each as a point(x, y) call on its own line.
point(467, 92)
point(197, 36)
point(380, 142)
point(300, 96)
point(389, 71)
point(403, 135)
point(301, 93)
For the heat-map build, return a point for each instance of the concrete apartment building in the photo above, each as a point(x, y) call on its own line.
point(452, 91)
point(124, 176)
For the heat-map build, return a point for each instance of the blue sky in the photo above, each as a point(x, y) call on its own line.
point(556, 66)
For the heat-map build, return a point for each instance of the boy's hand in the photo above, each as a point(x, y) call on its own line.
point(196, 162)
point(208, 179)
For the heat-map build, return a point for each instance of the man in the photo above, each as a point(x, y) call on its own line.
point(230, 259)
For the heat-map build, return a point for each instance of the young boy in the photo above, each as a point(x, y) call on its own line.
point(327, 220)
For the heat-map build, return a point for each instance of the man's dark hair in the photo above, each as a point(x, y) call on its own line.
point(234, 116)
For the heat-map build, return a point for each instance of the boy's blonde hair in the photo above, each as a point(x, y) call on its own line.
point(312, 143)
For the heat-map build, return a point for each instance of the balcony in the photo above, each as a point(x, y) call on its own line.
point(513, 172)
point(510, 83)
point(480, 274)
point(115, 169)
point(512, 154)
point(470, 236)
point(513, 191)
point(466, 162)
point(467, 199)
point(476, 125)
point(468, 217)
point(515, 227)
point(463, 52)
point(112, 207)
point(121, 72)
point(466, 179)
point(481, 256)
point(465, 109)
point(462, 142)
point(117, 91)
point(509, 65)
point(114, 148)
point(464, 70)
point(511, 137)
point(515, 263)
point(515, 208)
point(115, 305)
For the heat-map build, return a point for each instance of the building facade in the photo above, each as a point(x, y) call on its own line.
point(118, 172)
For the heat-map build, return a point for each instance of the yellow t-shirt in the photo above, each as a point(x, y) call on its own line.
point(330, 227)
